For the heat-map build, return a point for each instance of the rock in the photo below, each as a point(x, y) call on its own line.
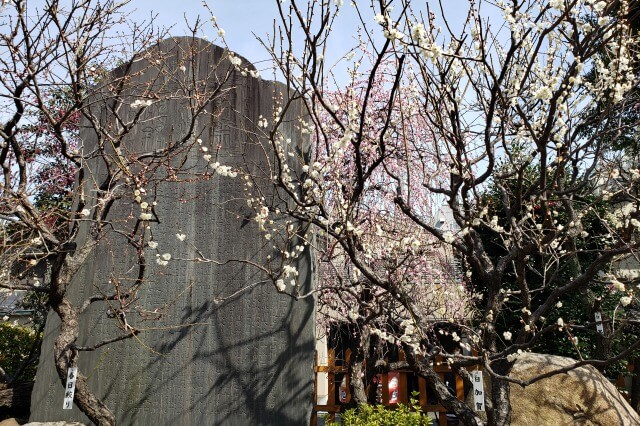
point(53, 424)
point(230, 349)
point(15, 400)
point(9, 422)
point(580, 397)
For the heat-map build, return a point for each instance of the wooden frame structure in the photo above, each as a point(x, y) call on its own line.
point(334, 406)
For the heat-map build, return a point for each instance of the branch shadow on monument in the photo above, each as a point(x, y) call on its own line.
point(245, 360)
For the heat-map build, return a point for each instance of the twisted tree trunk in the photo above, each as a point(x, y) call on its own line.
point(65, 356)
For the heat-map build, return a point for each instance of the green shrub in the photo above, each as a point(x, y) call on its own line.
point(16, 343)
point(379, 415)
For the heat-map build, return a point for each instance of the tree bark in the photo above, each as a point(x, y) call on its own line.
point(466, 415)
point(65, 356)
point(357, 366)
point(358, 388)
point(635, 385)
point(501, 413)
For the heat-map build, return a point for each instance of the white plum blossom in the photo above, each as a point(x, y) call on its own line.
point(544, 93)
point(146, 216)
point(85, 212)
point(280, 285)
point(393, 34)
point(557, 4)
point(617, 284)
point(223, 170)
point(138, 103)
point(507, 335)
point(448, 237)
point(599, 6)
point(261, 217)
point(289, 270)
point(180, 236)
point(164, 259)
point(153, 244)
point(615, 173)
point(262, 122)
point(235, 61)
point(418, 32)
point(625, 300)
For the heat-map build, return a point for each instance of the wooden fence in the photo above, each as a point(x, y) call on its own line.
point(408, 382)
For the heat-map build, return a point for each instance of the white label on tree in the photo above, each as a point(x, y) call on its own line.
point(70, 389)
point(478, 390)
point(599, 327)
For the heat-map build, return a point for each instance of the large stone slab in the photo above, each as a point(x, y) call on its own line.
point(246, 360)
point(580, 397)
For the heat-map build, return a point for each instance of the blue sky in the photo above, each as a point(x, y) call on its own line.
point(242, 20)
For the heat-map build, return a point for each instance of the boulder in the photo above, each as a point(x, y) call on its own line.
point(9, 422)
point(54, 424)
point(15, 399)
point(580, 397)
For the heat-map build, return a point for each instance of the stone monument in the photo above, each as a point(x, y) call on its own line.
point(211, 358)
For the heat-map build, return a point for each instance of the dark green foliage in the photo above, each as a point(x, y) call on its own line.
point(543, 275)
point(379, 415)
point(16, 344)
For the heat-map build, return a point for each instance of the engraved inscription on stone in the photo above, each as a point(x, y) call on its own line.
point(245, 361)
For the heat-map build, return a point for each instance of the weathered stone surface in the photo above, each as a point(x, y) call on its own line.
point(9, 422)
point(52, 424)
point(248, 360)
point(14, 399)
point(580, 397)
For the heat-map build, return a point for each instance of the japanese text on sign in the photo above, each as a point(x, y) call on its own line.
point(478, 390)
point(70, 388)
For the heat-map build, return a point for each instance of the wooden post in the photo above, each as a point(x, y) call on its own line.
point(403, 392)
point(459, 388)
point(422, 384)
point(331, 378)
point(314, 415)
point(443, 418)
point(385, 389)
